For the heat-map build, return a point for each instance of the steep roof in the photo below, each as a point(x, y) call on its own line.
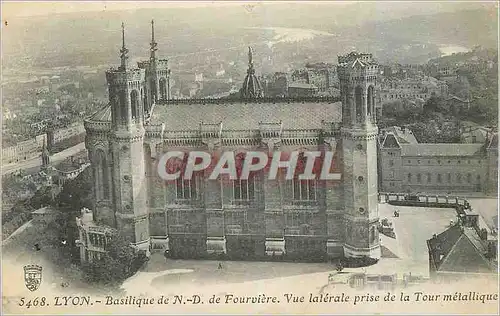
point(390, 141)
point(460, 249)
point(404, 135)
point(494, 142)
point(442, 150)
point(251, 85)
point(239, 115)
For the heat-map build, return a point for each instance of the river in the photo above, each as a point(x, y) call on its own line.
point(447, 50)
point(290, 35)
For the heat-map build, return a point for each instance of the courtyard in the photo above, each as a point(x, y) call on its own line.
point(162, 276)
point(414, 226)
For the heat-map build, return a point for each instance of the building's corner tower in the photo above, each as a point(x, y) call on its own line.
point(358, 78)
point(126, 94)
point(159, 73)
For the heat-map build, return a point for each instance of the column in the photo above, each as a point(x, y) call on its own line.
point(216, 240)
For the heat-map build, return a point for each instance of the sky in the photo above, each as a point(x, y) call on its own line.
point(12, 9)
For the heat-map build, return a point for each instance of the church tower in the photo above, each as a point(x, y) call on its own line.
point(152, 65)
point(127, 87)
point(158, 79)
point(358, 78)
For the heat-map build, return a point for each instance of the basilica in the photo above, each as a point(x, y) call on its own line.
point(254, 217)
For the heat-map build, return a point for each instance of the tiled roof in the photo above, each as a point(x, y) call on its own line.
point(401, 140)
point(444, 241)
point(467, 255)
point(404, 135)
point(427, 150)
point(459, 249)
point(390, 141)
point(239, 115)
point(474, 238)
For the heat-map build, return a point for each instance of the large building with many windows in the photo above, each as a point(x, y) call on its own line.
point(255, 217)
point(406, 165)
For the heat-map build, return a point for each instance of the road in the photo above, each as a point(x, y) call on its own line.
point(34, 163)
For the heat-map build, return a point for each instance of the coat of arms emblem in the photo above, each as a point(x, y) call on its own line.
point(32, 276)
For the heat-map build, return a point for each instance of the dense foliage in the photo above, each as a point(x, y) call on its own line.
point(431, 123)
point(437, 121)
point(78, 193)
point(118, 263)
point(20, 212)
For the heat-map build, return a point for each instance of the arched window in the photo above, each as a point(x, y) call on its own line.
point(134, 103)
point(123, 106)
point(144, 100)
point(358, 97)
point(409, 178)
point(163, 88)
point(305, 229)
point(102, 178)
point(371, 100)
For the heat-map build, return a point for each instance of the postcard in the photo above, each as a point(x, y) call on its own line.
point(221, 157)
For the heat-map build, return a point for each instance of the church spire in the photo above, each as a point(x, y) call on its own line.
point(45, 154)
point(250, 59)
point(154, 45)
point(124, 50)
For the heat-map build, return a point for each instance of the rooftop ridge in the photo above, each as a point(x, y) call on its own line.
point(317, 99)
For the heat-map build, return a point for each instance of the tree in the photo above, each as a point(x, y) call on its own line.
point(434, 104)
point(78, 193)
point(42, 197)
point(402, 111)
point(65, 233)
point(119, 262)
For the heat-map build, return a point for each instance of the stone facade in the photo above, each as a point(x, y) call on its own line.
point(322, 76)
point(255, 217)
point(419, 88)
point(358, 78)
point(408, 166)
point(92, 237)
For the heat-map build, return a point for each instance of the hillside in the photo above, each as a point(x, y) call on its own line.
point(92, 38)
point(466, 28)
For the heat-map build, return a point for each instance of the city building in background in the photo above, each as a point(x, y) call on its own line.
point(409, 166)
